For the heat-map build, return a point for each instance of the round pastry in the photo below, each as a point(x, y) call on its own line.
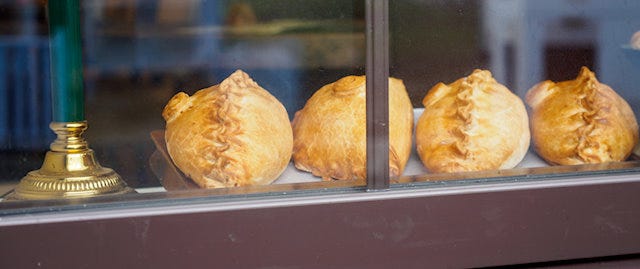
point(330, 131)
point(581, 121)
point(231, 134)
point(472, 124)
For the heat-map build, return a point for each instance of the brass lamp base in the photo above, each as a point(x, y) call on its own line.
point(69, 170)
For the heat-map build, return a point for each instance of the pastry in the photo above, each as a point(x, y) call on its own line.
point(330, 130)
point(581, 121)
point(472, 124)
point(231, 134)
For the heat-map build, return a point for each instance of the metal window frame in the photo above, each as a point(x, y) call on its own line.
point(409, 225)
point(414, 227)
point(377, 73)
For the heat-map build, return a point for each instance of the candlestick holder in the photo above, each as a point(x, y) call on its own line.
point(69, 170)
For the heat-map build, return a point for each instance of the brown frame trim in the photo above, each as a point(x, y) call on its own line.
point(460, 226)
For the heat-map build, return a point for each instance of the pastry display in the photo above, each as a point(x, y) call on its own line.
point(330, 131)
point(581, 121)
point(232, 134)
point(472, 124)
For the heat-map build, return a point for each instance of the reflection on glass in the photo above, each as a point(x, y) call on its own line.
point(138, 54)
point(521, 43)
point(25, 97)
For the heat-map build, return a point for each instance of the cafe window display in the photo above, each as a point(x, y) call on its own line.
point(223, 102)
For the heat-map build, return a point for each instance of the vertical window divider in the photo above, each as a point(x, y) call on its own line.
point(377, 73)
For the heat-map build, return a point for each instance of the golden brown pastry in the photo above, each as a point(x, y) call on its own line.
point(231, 134)
point(472, 124)
point(581, 121)
point(330, 131)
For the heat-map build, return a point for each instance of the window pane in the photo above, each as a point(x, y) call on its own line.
point(138, 55)
point(476, 124)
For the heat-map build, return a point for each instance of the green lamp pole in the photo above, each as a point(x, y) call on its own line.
point(70, 169)
point(66, 60)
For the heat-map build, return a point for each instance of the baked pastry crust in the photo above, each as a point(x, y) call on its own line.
point(330, 131)
point(231, 134)
point(472, 124)
point(581, 121)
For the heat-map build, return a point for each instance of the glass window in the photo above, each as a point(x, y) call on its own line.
point(467, 102)
point(165, 47)
point(517, 116)
point(475, 72)
point(138, 55)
